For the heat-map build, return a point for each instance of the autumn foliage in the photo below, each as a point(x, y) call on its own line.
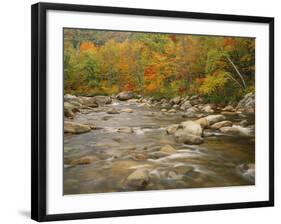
point(159, 65)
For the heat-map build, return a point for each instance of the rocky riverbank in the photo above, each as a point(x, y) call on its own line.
point(129, 142)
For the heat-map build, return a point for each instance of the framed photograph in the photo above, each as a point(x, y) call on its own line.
point(140, 111)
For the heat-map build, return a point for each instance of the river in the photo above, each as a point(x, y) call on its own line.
point(215, 163)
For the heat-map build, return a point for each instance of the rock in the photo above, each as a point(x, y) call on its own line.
point(182, 137)
point(247, 104)
point(247, 171)
point(158, 155)
point(199, 115)
point(88, 101)
point(84, 160)
point(193, 97)
point(182, 169)
point(221, 124)
point(172, 111)
point(229, 108)
point(101, 100)
point(67, 110)
point(236, 130)
point(176, 106)
point(75, 128)
point(113, 111)
point(207, 109)
point(189, 115)
point(140, 157)
point(175, 100)
point(215, 118)
point(105, 118)
point(164, 110)
point(244, 123)
point(171, 129)
point(139, 178)
point(186, 105)
point(125, 130)
point(70, 98)
point(203, 122)
point(207, 133)
point(194, 100)
point(165, 105)
point(127, 110)
point(191, 128)
point(192, 109)
point(173, 175)
point(125, 95)
point(229, 113)
point(167, 149)
point(189, 132)
point(134, 100)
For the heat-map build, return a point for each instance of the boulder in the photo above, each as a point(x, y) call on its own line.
point(134, 100)
point(84, 160)
point(247, 104)
point(70, 98)
point(172, 111)
point(182, 169)
point(203, 122)
point(167, 149)
point(75, 128)
point(229, 113)
point(165, 105)
point(221, 124)
point(69, 109)
point(183, 137)
point(88, 101)
point(171, 129)
point(189, 114)
point(247, 171)
point(186, 105)
point(140, 157)
point(215, 118)
point(191, 128)
point(207, 109)
point(125, 95)
point(113, 111)
point(192, 109)
point(127, 130)
point(189, 132)
point(102, 100)
point(244, 123)
point(236, 130)
point(164, 110)
point(194, 100)
point(193, 97)
point(229, 108)
point(175, 100)
point(139, 178)
point(127, 110)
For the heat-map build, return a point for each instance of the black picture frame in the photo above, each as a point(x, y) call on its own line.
point(39, 108)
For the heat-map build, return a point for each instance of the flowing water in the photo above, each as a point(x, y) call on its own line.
point(215, 163)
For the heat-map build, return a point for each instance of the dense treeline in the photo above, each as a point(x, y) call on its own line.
point(220, 69)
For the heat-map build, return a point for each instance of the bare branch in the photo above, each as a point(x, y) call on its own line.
point(236, 69)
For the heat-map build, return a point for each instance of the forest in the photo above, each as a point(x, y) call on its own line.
point(161, 65)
